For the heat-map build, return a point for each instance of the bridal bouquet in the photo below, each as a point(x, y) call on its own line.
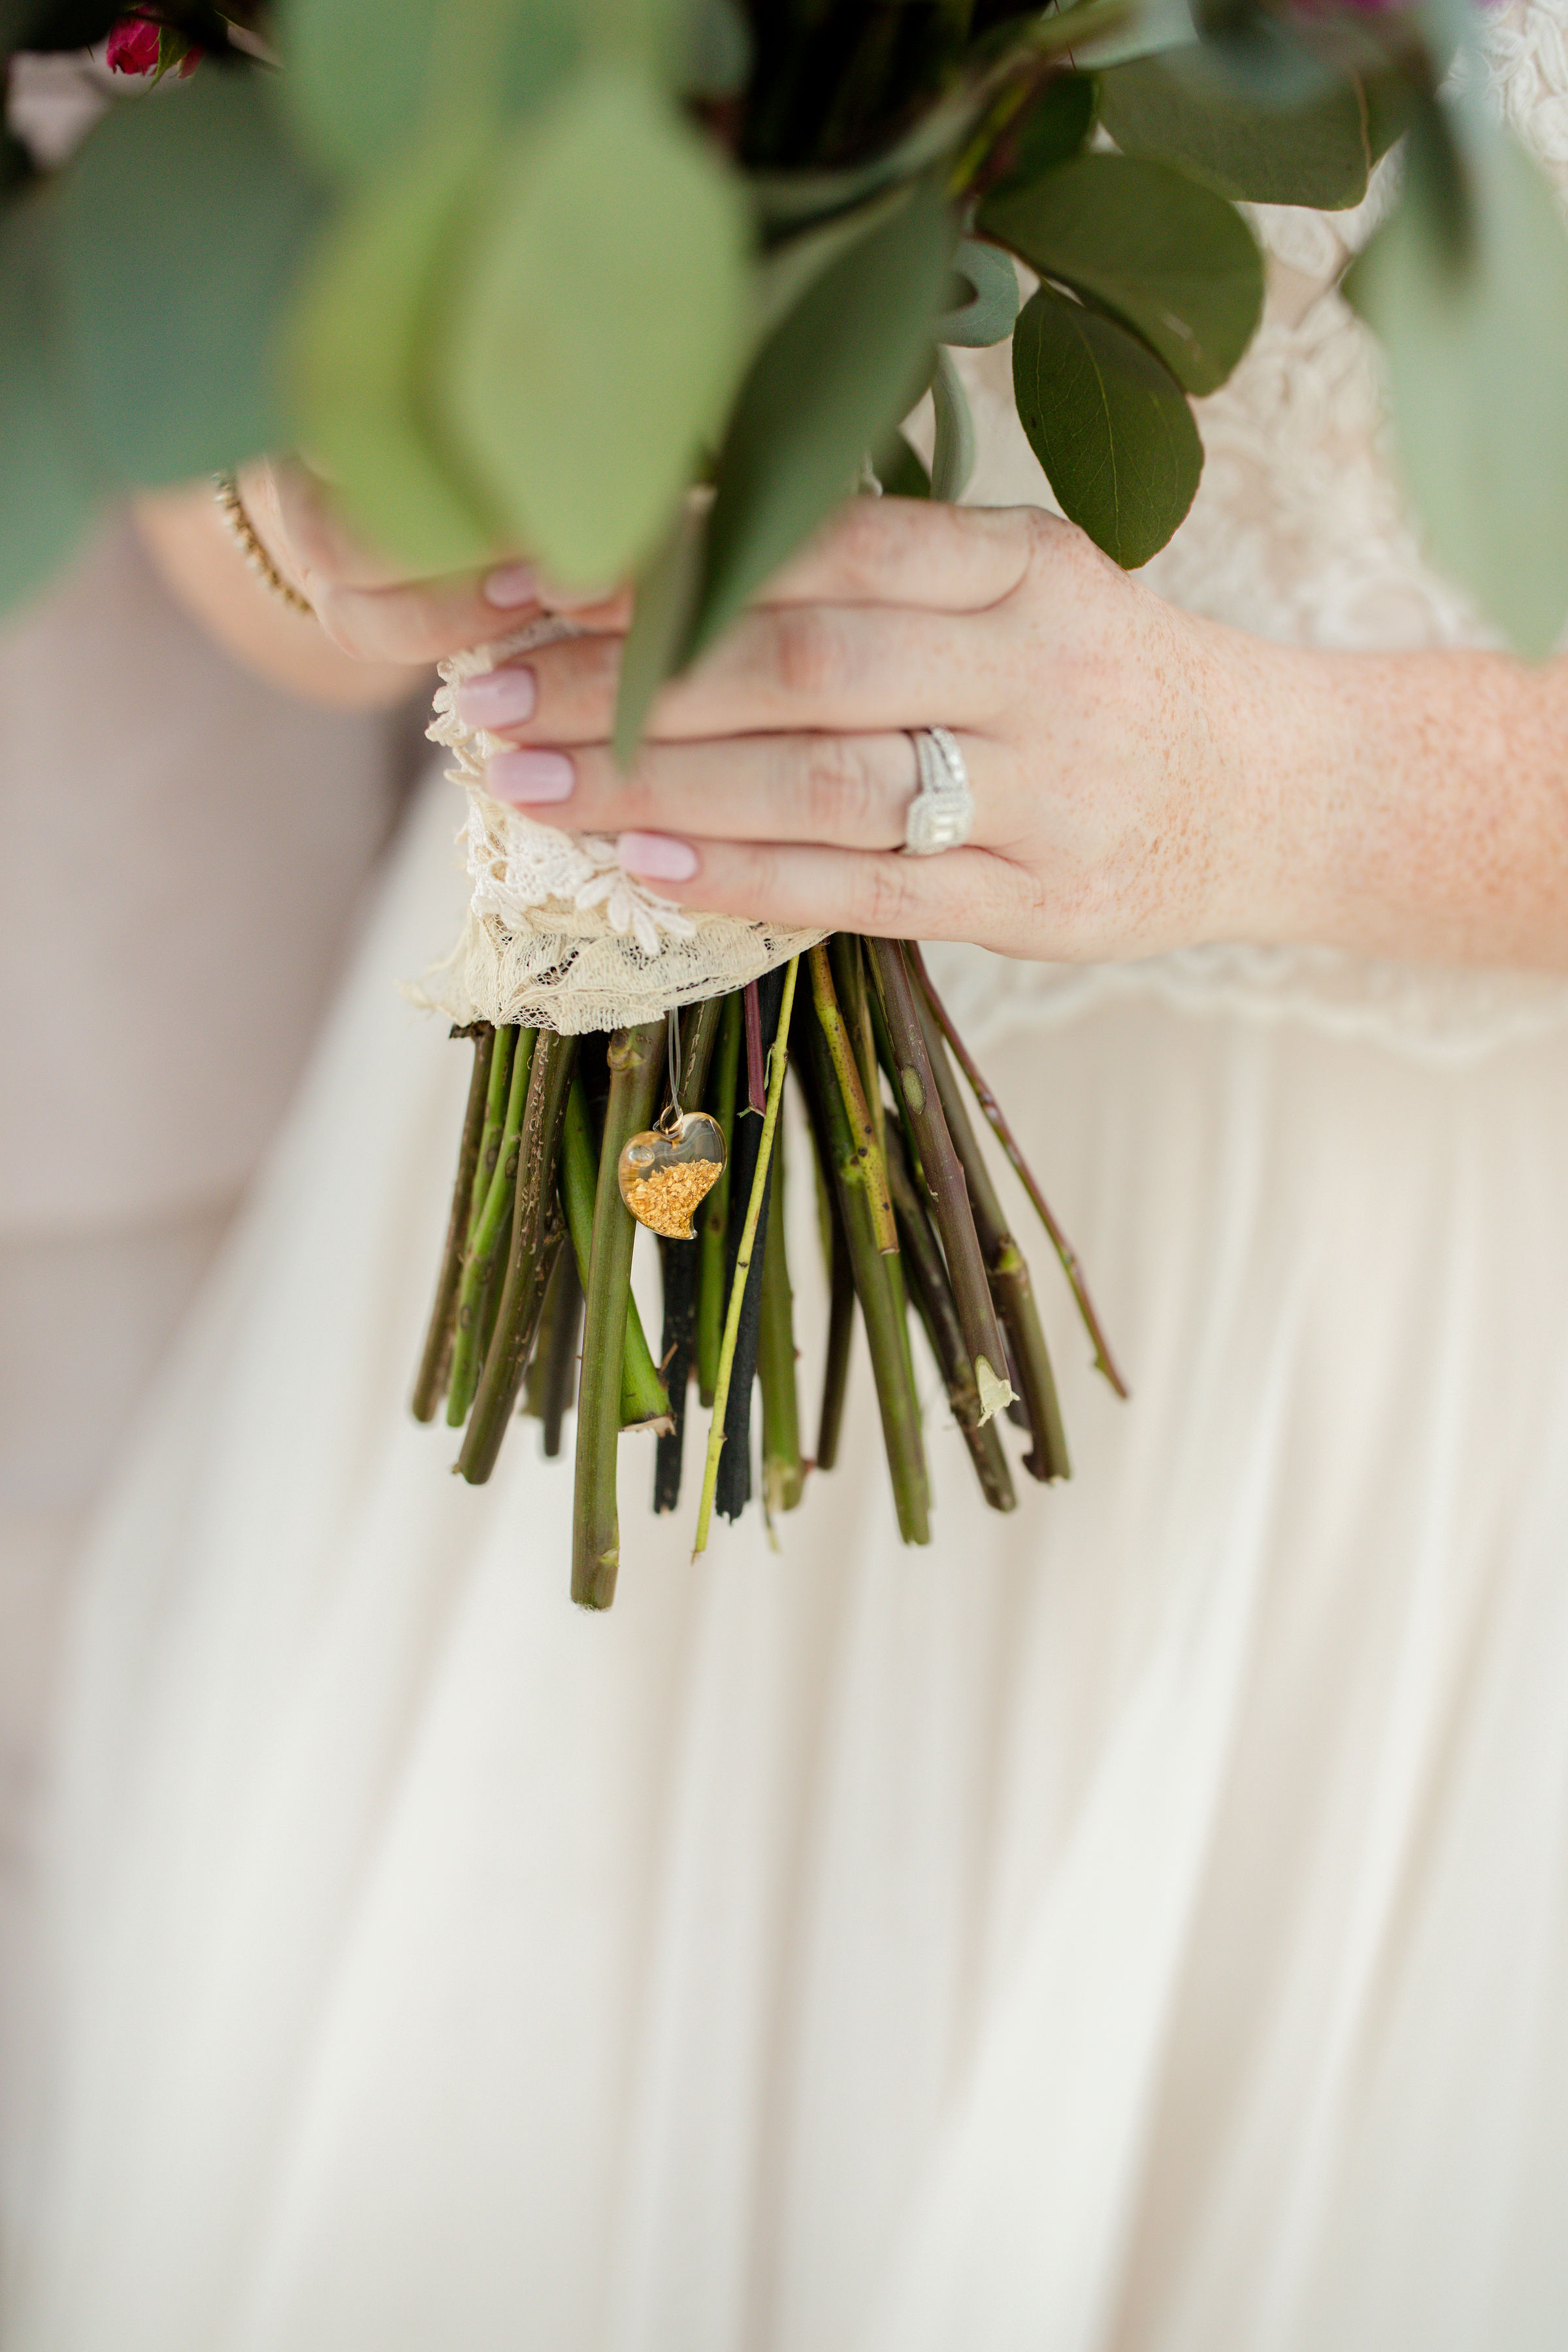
point(646, 287)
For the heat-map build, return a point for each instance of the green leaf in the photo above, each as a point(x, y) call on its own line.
point(787, 268)
point(1054, 128)
point(367, 79)
point(661, 619)
point(717, 55)
point(988, 298)
point(830, 383)
point(1478, 368)
point(1186, 108)
point(359, 351)
point(1167, 256)
point(184, 222)
point(593, 341)
point(953, 456)
point(1109, 424)
point(49, 495)
point(901, 470)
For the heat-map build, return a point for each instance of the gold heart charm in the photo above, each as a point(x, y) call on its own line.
point(668, 1171)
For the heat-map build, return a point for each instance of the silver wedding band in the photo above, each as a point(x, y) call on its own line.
point(942, 814)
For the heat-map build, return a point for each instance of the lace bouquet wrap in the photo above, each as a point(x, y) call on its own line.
point(644, 290)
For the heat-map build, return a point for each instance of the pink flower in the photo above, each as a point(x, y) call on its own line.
point(133, 47)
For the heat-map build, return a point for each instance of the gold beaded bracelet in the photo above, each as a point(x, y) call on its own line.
point(242, 531)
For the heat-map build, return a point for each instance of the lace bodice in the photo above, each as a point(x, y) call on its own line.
point(1299, 533)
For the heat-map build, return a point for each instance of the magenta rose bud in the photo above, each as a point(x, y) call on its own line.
point(133, 47)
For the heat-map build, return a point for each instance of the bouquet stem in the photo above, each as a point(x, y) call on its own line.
point(643, 1401)
point(536, 1238)
point(553, 1376)
point(1009, 1275)
point(778, 1060)
point(847, 1150)
point(430, 1385)
point(840, 1334)
point(935, 1302)
point(783, 1477)
point(488, 1222)
point(715, 1221)
point(1104, 1362)
point(945, 1178)
point(635, 1059)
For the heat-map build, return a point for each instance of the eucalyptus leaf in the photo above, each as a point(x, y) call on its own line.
point(595, 332)
point(49, 492)
point(1185, 109)
point(1109, 423)
point(901, 470)
point(367, 79)
point(830, 383)
point(185, 223)
point(1052, 128)
point(717, 53)
point(1478, 368)
point(989, 284)
point(787, 269)
point(666, 596)
point(952, 456)
point(1167, 256)
point(359, 352)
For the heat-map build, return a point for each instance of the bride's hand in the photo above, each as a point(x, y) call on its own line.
point(1117, 748)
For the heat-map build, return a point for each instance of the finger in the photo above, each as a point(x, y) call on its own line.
point(848, 668)
point(915, 551)
point(969, 894)
point(853, 791)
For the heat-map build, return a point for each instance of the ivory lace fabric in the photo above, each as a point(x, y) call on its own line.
point(1138, 1924)
point(557, 932)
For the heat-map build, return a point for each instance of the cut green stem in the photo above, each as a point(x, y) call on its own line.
point(933, 1300)
point(881, 1305)
point(430, 1386)
point(783, 1477)
point(840, 1048)
point(636, 1065)
point(1104, 1362)
point(536, 1235)
point(714, 1224)
point(552, 1375)
point(778, 1060)
point(1009, 1275)
point(945, 1180)
point(486, 1231)
point(644, 1403)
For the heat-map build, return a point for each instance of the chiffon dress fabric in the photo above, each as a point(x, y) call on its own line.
point(1138, 1924)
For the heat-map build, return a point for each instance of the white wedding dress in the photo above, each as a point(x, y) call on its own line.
point(1139, 1925)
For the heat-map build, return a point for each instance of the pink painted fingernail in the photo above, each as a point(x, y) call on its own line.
point(657, 857)
point(509, 585)
point(528, 779)
point(498, 698)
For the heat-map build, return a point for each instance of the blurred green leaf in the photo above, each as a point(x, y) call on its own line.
point(787, 269)
point(359, 353)
point(1186, 108)
point(367, 79)
point(1109, 424)
point(662, 618)
point(988, 288)
point(717, 53)
point(1477, 345)
point(901, 470)
point(593, 337)
point(1168, 257)
point(830, 383)
point(952, 455)
point(185, 223)
point(49, 493)
point(1053, 127)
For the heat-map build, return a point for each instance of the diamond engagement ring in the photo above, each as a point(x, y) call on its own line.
point(942, 814)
